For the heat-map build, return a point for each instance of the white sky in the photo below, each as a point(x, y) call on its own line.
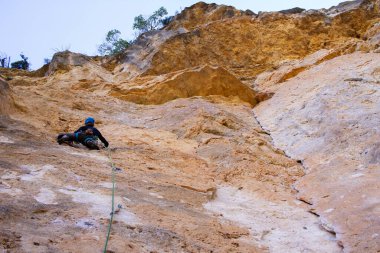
point(39, 28)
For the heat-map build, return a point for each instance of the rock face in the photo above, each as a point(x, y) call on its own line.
point(174, 159)
point(70, 63)
point(66, 60)
point(331, 124)
point(199, 170)
point(203, 81)
point(270, 81)
point(201, 13)
point(6, 100)
point(137, 58)
point(243, 44)
point(76, 67)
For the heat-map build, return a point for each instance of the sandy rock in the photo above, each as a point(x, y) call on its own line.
point(201, 81)
point(173, 156)
point(372, 37)
point(77, 67)
point(270, 81)
point(330, 124)
point(202, 13)
point(197, 172)
point(137, 58)
point(228, 42)
point(6, 98)
point(266, 222)
point(66, 60)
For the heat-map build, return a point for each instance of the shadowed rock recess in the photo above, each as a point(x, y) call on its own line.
point(232, 132)
point(6, 100)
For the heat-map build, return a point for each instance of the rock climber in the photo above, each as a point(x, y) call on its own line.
point(87, 138)
point(87, 135)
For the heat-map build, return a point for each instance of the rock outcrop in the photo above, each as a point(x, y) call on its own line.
point(197, 169)
point(174, 158)
point(244, 46)
point(137, 58)
point(69, 63)
point(65, 61)
point(331, 124)
point(6, 99)
point(202, 13)
point(203, 81)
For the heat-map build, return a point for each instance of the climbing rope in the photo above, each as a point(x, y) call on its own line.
point(113, 200)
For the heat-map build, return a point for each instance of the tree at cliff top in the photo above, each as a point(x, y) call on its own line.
point(113, 44)
point(153, 22)
point(22, 64)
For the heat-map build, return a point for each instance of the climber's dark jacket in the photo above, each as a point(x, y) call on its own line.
point(96, 133)
point(81, 137)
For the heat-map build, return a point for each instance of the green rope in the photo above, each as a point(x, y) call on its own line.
point(113, 200)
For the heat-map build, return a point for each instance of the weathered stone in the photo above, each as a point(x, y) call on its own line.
point(244, 46)
point(202, 81)
point(6, 99)
point(327, 117)
point(197, 172)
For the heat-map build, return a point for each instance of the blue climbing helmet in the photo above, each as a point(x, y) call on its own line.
point(89, 121)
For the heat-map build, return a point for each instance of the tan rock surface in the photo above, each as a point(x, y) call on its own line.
point(270, 81)
point(243, 45)
point(201, 13)
point(201, 81)
point(327, 117)
point(198, 173)
point(6, 99)
point(137, 58)
point(175, 158)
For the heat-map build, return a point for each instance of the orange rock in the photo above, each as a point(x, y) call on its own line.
point(200, 81)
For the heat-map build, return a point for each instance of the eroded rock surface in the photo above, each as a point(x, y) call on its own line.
point(198, 170)
point(202, 81)
point(6, 99)
point(331, 123)
point(137, 58)
point(173, 158)
point(244, 46)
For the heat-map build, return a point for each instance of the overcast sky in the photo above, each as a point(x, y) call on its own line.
point(39, 28)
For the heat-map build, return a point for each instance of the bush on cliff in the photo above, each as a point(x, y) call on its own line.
point(153, 22)
point(22, 64)
point(113, 44)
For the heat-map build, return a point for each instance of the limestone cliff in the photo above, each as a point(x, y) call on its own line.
point(6, 99)
point(248, 44)
point(330, 124)
point(231, 132)
point(203, 81)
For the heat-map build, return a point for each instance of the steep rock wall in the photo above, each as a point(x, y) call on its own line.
point(328, 118)
point(199, 174)
point(6, 99)
point(244, 45)
point(201, 81)
point(202, 13)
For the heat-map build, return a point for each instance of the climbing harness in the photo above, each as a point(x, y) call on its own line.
point(76, 135)
point(113, 200)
